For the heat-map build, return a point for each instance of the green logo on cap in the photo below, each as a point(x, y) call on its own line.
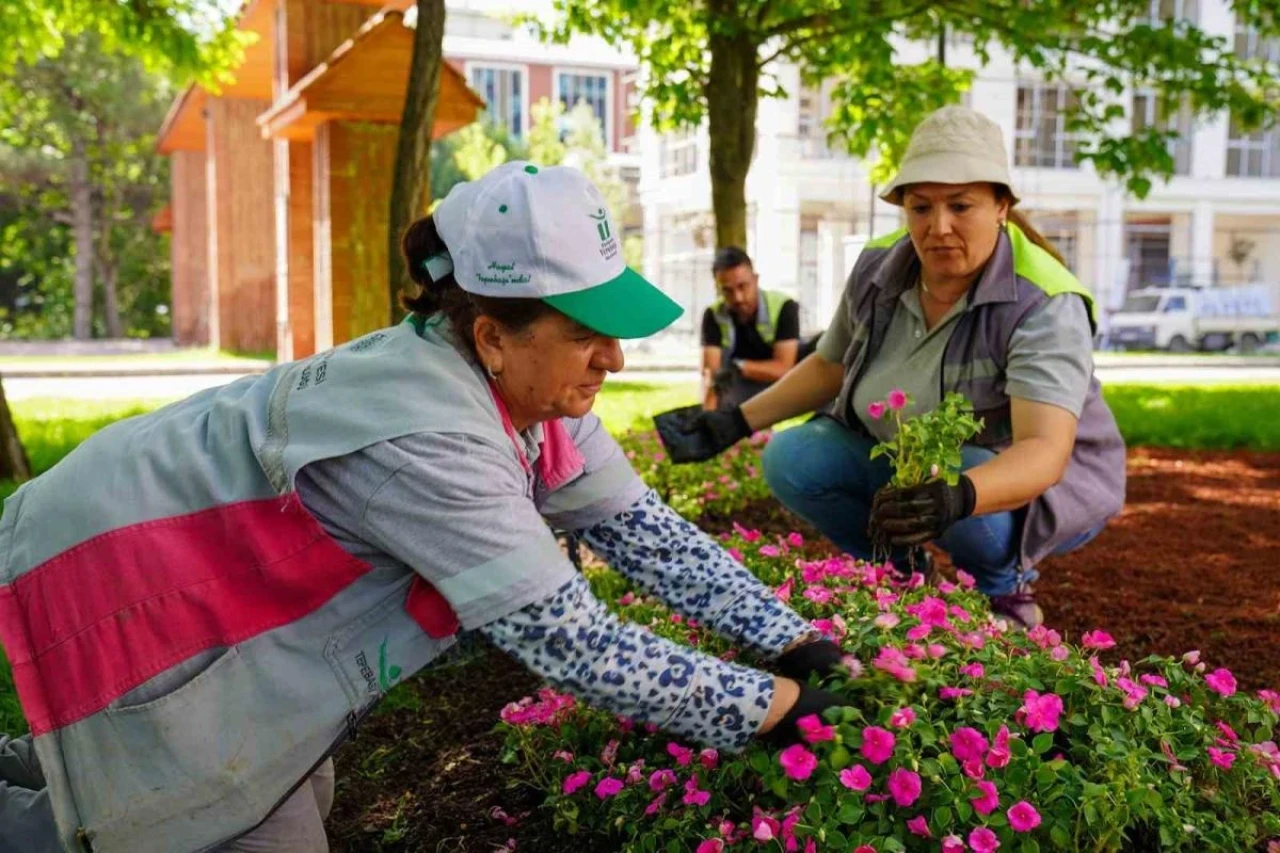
point(602, 223)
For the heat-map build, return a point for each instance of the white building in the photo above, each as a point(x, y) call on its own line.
point(1216, 221)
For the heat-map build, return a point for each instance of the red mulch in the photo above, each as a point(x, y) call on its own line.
point(1193, 562)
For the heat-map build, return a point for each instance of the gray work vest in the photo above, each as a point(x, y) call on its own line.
point(1018, 279)
point(187, 642)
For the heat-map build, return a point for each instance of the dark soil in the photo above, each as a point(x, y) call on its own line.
point(1193, 562)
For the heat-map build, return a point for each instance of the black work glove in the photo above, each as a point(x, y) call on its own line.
point(817, 657)
point(722, 380)
point(812, 700)
point(903, 517)
point(691, 435)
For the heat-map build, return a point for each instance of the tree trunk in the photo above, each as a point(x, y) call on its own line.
point(14, 464)
point(82, 229)
point(411, 186)
point(733, 95)
point(111, 299)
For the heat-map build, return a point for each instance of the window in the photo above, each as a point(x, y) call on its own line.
point(1162, 11)
point(1253, 155)
point(679, 154)
point(1040, 137)
point(503, 90)
point(1147, 246)
point(1061, 229)
point(1149, 112)
point(1250, 45)
point(1175, 305)
point(573, 88)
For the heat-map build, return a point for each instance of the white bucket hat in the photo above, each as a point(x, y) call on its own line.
point(953, 145)
point(524, 231)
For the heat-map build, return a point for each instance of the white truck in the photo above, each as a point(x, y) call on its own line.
point(1211, 319)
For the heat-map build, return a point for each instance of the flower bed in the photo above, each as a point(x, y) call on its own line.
point(960, 734)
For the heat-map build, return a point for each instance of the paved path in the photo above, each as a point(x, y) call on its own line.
point(178, 384)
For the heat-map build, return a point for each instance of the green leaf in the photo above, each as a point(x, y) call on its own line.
point(1042, 743)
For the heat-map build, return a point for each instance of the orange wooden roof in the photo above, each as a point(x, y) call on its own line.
point(183, 127)
point(365, 79)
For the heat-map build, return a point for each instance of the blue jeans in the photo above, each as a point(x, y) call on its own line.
point(823, 472)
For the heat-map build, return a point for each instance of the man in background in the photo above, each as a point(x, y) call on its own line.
point(750, 336)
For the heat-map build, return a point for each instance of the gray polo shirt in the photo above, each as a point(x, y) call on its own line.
point(1050, 357)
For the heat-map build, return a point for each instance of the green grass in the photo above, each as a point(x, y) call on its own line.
point(1191, 417)
point(1199, 417)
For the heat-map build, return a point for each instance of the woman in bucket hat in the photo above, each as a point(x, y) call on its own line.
point(201, 604)
point(967, 298)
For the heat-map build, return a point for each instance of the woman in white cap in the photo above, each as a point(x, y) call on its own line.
point(967, 298)
point(202, 603)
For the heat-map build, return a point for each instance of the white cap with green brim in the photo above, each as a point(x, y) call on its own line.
point(526, 232)
point(953, 145)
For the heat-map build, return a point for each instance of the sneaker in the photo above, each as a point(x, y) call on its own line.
point(1019, 608)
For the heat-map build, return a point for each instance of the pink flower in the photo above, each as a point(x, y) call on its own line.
point(999, 755)
point(877, 744)
point(1133, 693)
point(1099, 676)
point(968, 743)
point(1172, 701)
point(855, 778)
point(797, 762)
point(764, 828)
point(919, 632)
point(886, 620)
point(902, 717)
point(711, 845)
point(852, 664)
point(693, 796)
point(784, 591)
point(1097, 640)
point(1059, 653)
point(937, 650)
point(1272, 698)
point(709, 758)
point(983, 840)
point(1221, 758)
point(814, 730)
point(655, 804)
point(897, 399)
point(574, 781)
point(876, 410)
point(735, 553)
point(953, 844)
point(818, 594)
point(914, 651)
point(988, 799)
point(769, 551)
point(1153, 680)
point(919, 826)
point(904, 785)
point(965, 579)
point(607, 787)
point(973, 670)
point(661, 779)
point(1023, 816)
point(1174, 764)
point(973, 769)
point(864, 848)
point(948, 693)
point(682, 754)
point(1192, 657)
point(794, 539)
point(1040, 713)
point(563, 755)
point(626, 599)
point(930, 611)
point(895, 663)
point(1221, 681)
point(749, 535)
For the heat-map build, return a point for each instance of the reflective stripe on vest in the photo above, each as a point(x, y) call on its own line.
point(768, 310)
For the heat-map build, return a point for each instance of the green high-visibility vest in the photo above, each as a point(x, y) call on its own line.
point(768, 310)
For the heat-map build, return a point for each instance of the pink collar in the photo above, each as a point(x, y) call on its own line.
point(559, 460)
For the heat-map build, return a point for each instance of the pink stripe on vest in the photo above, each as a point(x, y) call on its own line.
point(560, 460)
point(105, 616)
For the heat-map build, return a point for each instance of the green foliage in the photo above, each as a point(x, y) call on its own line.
point(100, 109)
point(183, 39)
point(546, 145)
point(1103, 48)
point(927, 445)
point(1111, 757)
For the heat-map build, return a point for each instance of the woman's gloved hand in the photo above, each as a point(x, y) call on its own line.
point(913, 515)
point(816, 657)
point(691, 435)
point(812, 700)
